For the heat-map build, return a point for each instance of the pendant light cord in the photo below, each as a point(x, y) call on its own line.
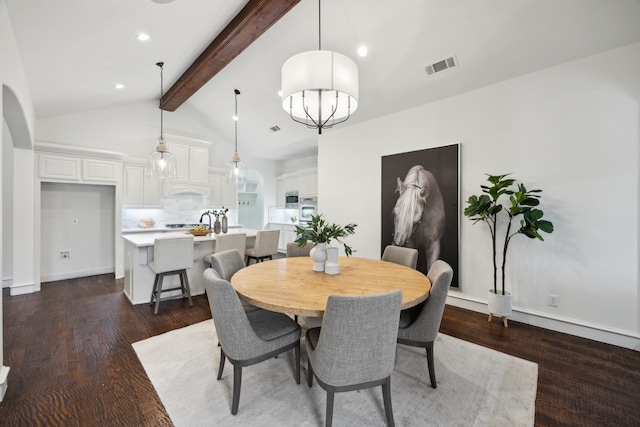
point(237, 92)
point(161, 65)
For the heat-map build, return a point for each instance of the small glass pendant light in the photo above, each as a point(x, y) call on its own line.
point(161, 163)
point(237, 170)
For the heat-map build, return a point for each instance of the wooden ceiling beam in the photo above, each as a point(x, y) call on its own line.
point(252, 21)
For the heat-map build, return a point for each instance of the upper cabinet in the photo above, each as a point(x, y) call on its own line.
point(304, 181)
point(192, 160)
point(140, 190)
point(60, 163)
point(223, 193)
point(308, 184)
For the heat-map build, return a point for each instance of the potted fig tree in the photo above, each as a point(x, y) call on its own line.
point(488, 208)
point(321, 233)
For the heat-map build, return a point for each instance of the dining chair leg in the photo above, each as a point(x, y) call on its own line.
point(221, 365)
point(386, 397)
point(432, 370)
point(309, 373)
point(237, 380)
point(329, 415)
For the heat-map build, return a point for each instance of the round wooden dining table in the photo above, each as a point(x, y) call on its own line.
point(289, 285)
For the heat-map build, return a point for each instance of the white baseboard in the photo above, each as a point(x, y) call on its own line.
point(618, 337)
point(76, 274)
point(4, 381)
point(6, 283)
point(23, 288)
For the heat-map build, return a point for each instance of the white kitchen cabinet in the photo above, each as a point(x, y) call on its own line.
point(140, 190)
point(287, 235)
point(100, 170)
point(222, 193)
point(192, 160)
point(308, 184)
point(51, 166)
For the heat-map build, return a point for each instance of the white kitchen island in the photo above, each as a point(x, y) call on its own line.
point(138, 252)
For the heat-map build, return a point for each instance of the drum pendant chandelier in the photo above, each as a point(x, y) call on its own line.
point(161, 163)
point(319, 88)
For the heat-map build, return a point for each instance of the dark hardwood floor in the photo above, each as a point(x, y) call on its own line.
point(72, 364)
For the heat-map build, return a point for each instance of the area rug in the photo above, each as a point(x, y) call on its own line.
point(476, 387)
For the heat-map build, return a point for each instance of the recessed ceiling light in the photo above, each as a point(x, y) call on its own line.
point(162, 1)
point(119, 86)
point(362, 51)
point(142, 37)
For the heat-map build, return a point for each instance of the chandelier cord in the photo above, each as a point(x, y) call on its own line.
point(319, 28)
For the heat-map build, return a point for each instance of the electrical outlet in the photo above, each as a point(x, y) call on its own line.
point(553, 300)
point(65, 254)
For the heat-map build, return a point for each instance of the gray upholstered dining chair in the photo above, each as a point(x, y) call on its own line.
point(224, 242)
point(419, 325)
point(171, 255)
point(265, 247)
point(294, 250)
point(401, 255)
point(226, 263)
point(247, 338)
point(359, 356)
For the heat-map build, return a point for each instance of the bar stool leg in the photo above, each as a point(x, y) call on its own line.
point(153, 289)
point(158, 292)
point(184, 282)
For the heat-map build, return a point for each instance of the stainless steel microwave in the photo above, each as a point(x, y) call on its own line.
point(291, 199)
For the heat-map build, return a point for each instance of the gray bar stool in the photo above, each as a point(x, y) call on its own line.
point(171, 255)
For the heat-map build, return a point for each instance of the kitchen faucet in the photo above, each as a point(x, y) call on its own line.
point(207, 214)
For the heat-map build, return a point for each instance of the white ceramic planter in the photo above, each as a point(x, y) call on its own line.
point(319, 255)
point(499, 305)
point(331, 266)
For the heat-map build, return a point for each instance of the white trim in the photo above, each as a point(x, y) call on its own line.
point(77, 274)
point(25, 288)
point(4, 382)
point(618, 337)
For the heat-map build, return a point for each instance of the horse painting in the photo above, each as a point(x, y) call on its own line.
point(418, 216)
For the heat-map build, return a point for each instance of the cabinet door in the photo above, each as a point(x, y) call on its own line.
point(99, 170)
point(153, 190)
point(280, 190)
point(308, 184)
point(181, 153)
point(229, 194)
point(215, 182)
point(133, 194)
point(59, 167)
point(198, 164)
point(288, 235)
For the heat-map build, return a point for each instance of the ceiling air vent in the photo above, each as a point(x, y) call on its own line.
point(442, 65)
point(275, 128)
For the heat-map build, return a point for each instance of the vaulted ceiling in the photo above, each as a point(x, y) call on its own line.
point(74, 51)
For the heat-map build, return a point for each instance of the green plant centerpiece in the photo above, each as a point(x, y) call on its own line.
point(523, 204)
point(321, 233)
point(318, 230)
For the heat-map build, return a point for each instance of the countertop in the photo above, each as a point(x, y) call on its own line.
point(163, 229)
point(146, 239)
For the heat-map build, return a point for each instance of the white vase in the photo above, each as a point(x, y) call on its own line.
point(331, 266)
point(498, 304)
point(319, 255)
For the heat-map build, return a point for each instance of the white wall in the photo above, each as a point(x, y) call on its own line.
point(571, 130)
point(12, 77)
point(80, 219)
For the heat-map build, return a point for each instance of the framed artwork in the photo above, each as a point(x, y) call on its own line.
point(421, 204)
